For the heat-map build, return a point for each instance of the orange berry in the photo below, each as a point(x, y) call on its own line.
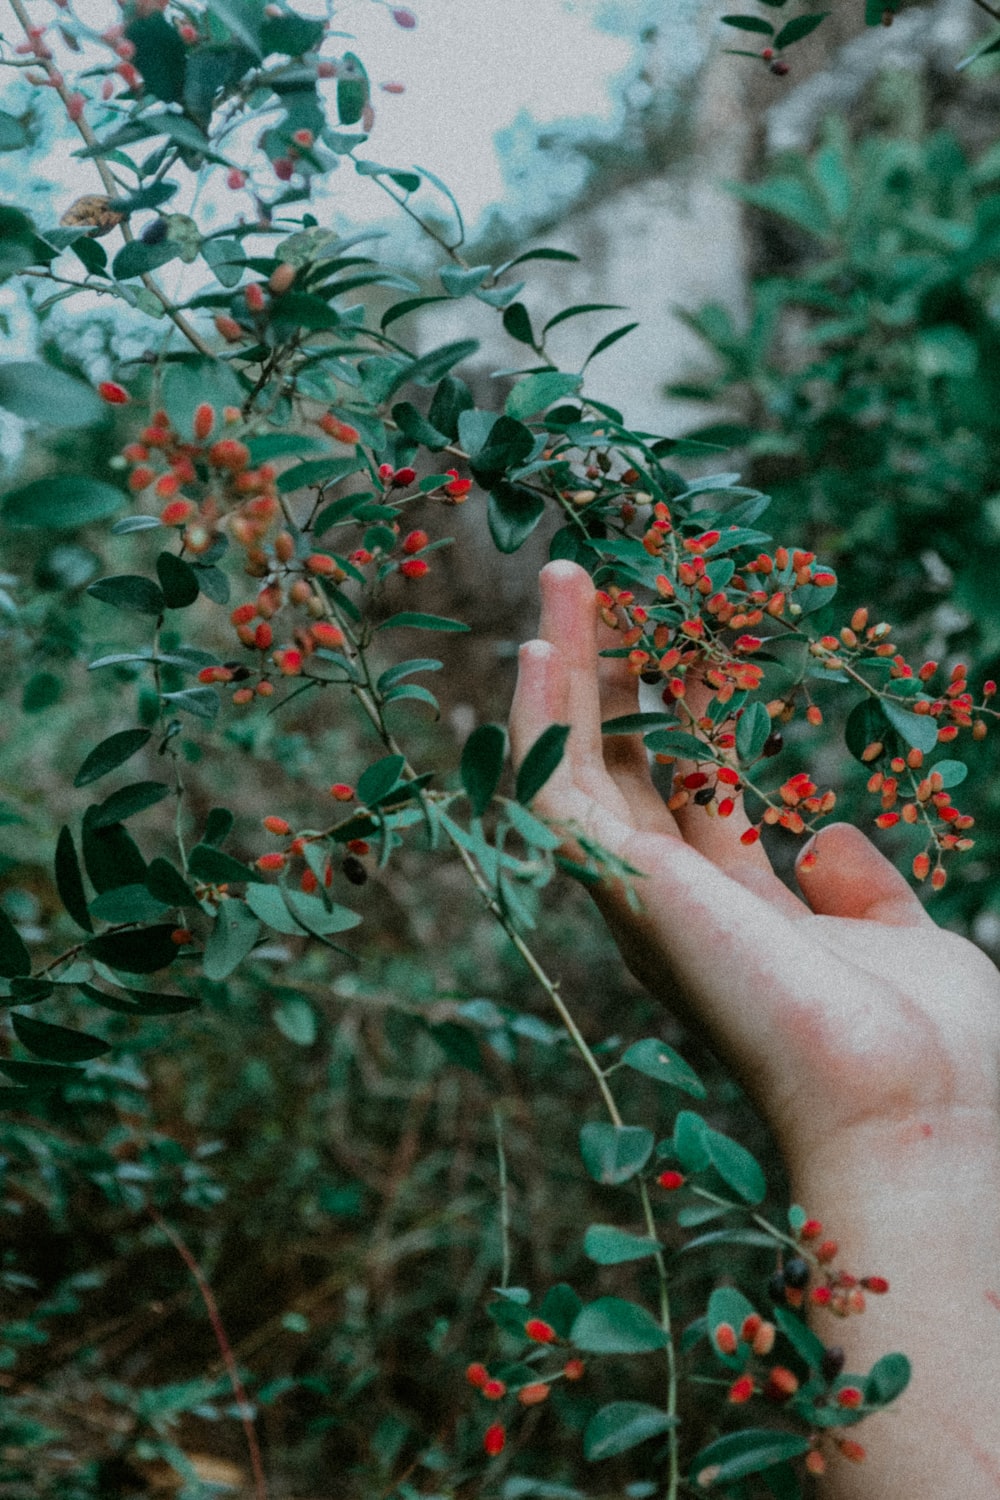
point(533, 1395)
point(815, 1463)
point(177, 513)
point(263, 636)
point(827, 1251)
point(243, 695)
point(877, 1284)
point(281, 279)
point(308, 882)
point(320, 563)
point(763, 1340)
point(725, 1338)
point(253, 296)
point(204, 420)
point(477, 1375)
point(181, 936)
point(277, 825)
point(781, 1383)
point(415, 541)
point(289, 663)
point(341, 792)
point(852, 1450)
point(229, 329)
point(573, 1369)
point(939, 877)
point(265, 689)
point(341, 432)
point(325, 634)
point(140, 478)
point(270, 862)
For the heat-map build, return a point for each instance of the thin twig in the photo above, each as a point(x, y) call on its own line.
point(225, 1349)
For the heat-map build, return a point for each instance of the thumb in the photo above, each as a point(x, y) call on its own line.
point(842, 874)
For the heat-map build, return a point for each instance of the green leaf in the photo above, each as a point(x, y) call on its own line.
point(561, 1307)
point(578, 310)
point(110, 855)
point(13, 136)
point(128, 801)
point(291, 35)
point(160, 56)
point(296, 1020)
point(110, 753)
point(129, 591)
point(268, 903)
point(56, 1043)
point(543, 253)
point(615, 1153)
point(217, 868)
point(622, 1425)
point(887, 1379)
point(416, 427)
point(316, 917)
point(127, 903)
point(41, 690)
point(789, 198)
point(317, 471)
point(458, 280)
point(482, 765)
point(613, 1326)
point(638, 724)
point(178, 580)
point(727, 1304)
point(689, 1141)
point(243, 19)
point(189, 383)
point(139, 259)
point(27, 991)
point(517, 322)
point(918, 730)
point(741, 1453)
point(233, 935)
point(69, 880)
point(678, 743)
point(40, 393)
point(698, 1146)
point(951, 772)
point(380, 779)
point(866, 725)
point(752, 730)
point(202, 702)
point(657, 1060)
point(218, 826)
point(14, 956)
point(42, 1075)
point(608, 340)
point(534, 832)
point(168, 885)
point(280, 445)
point(749, 23)
point(302, 310)
point(410, 621)
point(807, 1346)
point(140, 951)
point(430, 367)
point(61, 502)
point(799, 27)
point(540, 762)
point(140, 1002)
point(609, 1246)
point(536, 393)
point(512, 514)
point(352, 89)
point(451, 398)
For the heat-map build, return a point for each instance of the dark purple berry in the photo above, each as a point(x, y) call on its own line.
point(155, 232)
point(832, 1362)
point(774, 744)
point(354, 869)
point(797, 1273)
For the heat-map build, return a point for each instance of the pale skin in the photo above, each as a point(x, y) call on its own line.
point(868, 1037)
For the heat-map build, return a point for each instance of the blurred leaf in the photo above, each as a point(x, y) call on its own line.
point(178, 580)
point(14, 956)
point(749, 23)
point(139, 259)
point(799, 27)
point(887, 1379)
point(408, 620)
point(233, 935)
point(379, 779)
point(127, 903)
point(607, 341)
point(741, 1453)
point(613, 1326)
point(160, 56)
point(536, 393)
point(243, 19)
point(622, 1425)
point(607, 1245)
point(216, 868)
point(352, 89)
point(218, 826)
point(169, 886)
point(40, 393)
point(518, 324)
point(61, 502)
point(614, 1154)
point(296, 1020)
point(752, 730)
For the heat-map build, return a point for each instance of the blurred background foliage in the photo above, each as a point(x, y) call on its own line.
point(326, 1133)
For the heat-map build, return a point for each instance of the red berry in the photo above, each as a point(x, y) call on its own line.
point(494, 1439)
point(671, 1180)
point(414, 567)
point(113, 393)
point(539, 1331)
point(415, 541)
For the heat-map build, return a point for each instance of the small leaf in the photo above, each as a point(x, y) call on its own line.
point(56, 1043)
point(613, 1326)
point(218, 826)
point(451, 398)
point(129, 591)
point(622, 1425)
point(141, 950)
point(110, 753)
point(234, 934)
point(540, 762)
point(178, 580)
point(69, 880)
point(15, 959)
point(216, 868)
point(518, 324)
point(752, 730)
point(267, 903)
point(512, 514)
point(609, 1246)
point(807, 1346)
point(138, 259)
point(127, 903)
point(918, 730)
point(887, 1379)
point(536, 393)
point(168, 885)
point(639, 724)
point(126, 802)
point(296, 1020)
point(657, 1060)
point(408, 620)
point(615, 1153)
point(378, 780)
point(866, 725)
point(799, 27)
point(608, 340)
point(482, 765)
point(749, 23)
point(741, 1453)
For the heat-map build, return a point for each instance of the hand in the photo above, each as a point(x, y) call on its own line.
point(840, 1008)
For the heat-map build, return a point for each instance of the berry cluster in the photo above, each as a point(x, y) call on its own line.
point(526, 1393)
point(310, 846)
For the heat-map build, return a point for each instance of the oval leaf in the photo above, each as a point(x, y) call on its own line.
point(15, 959)
point(623, 1425)
point(741, 1453)
point(41, 393)
point(657, 1060)
point(482, 765)
point(112, 752)
point(540, 762)
point(61, 502)
point(608, 1246)
point(69, 880)
point(126, 802)
point(129, 591)
point(178, 580)
point(615, 1153)
point(142, 950)
point(613, 1326)
point(56, 1043)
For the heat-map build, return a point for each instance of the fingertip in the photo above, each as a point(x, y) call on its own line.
point(562, 567)
point(842, 874)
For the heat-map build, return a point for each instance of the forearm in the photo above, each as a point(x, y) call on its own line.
point(919, 1203)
